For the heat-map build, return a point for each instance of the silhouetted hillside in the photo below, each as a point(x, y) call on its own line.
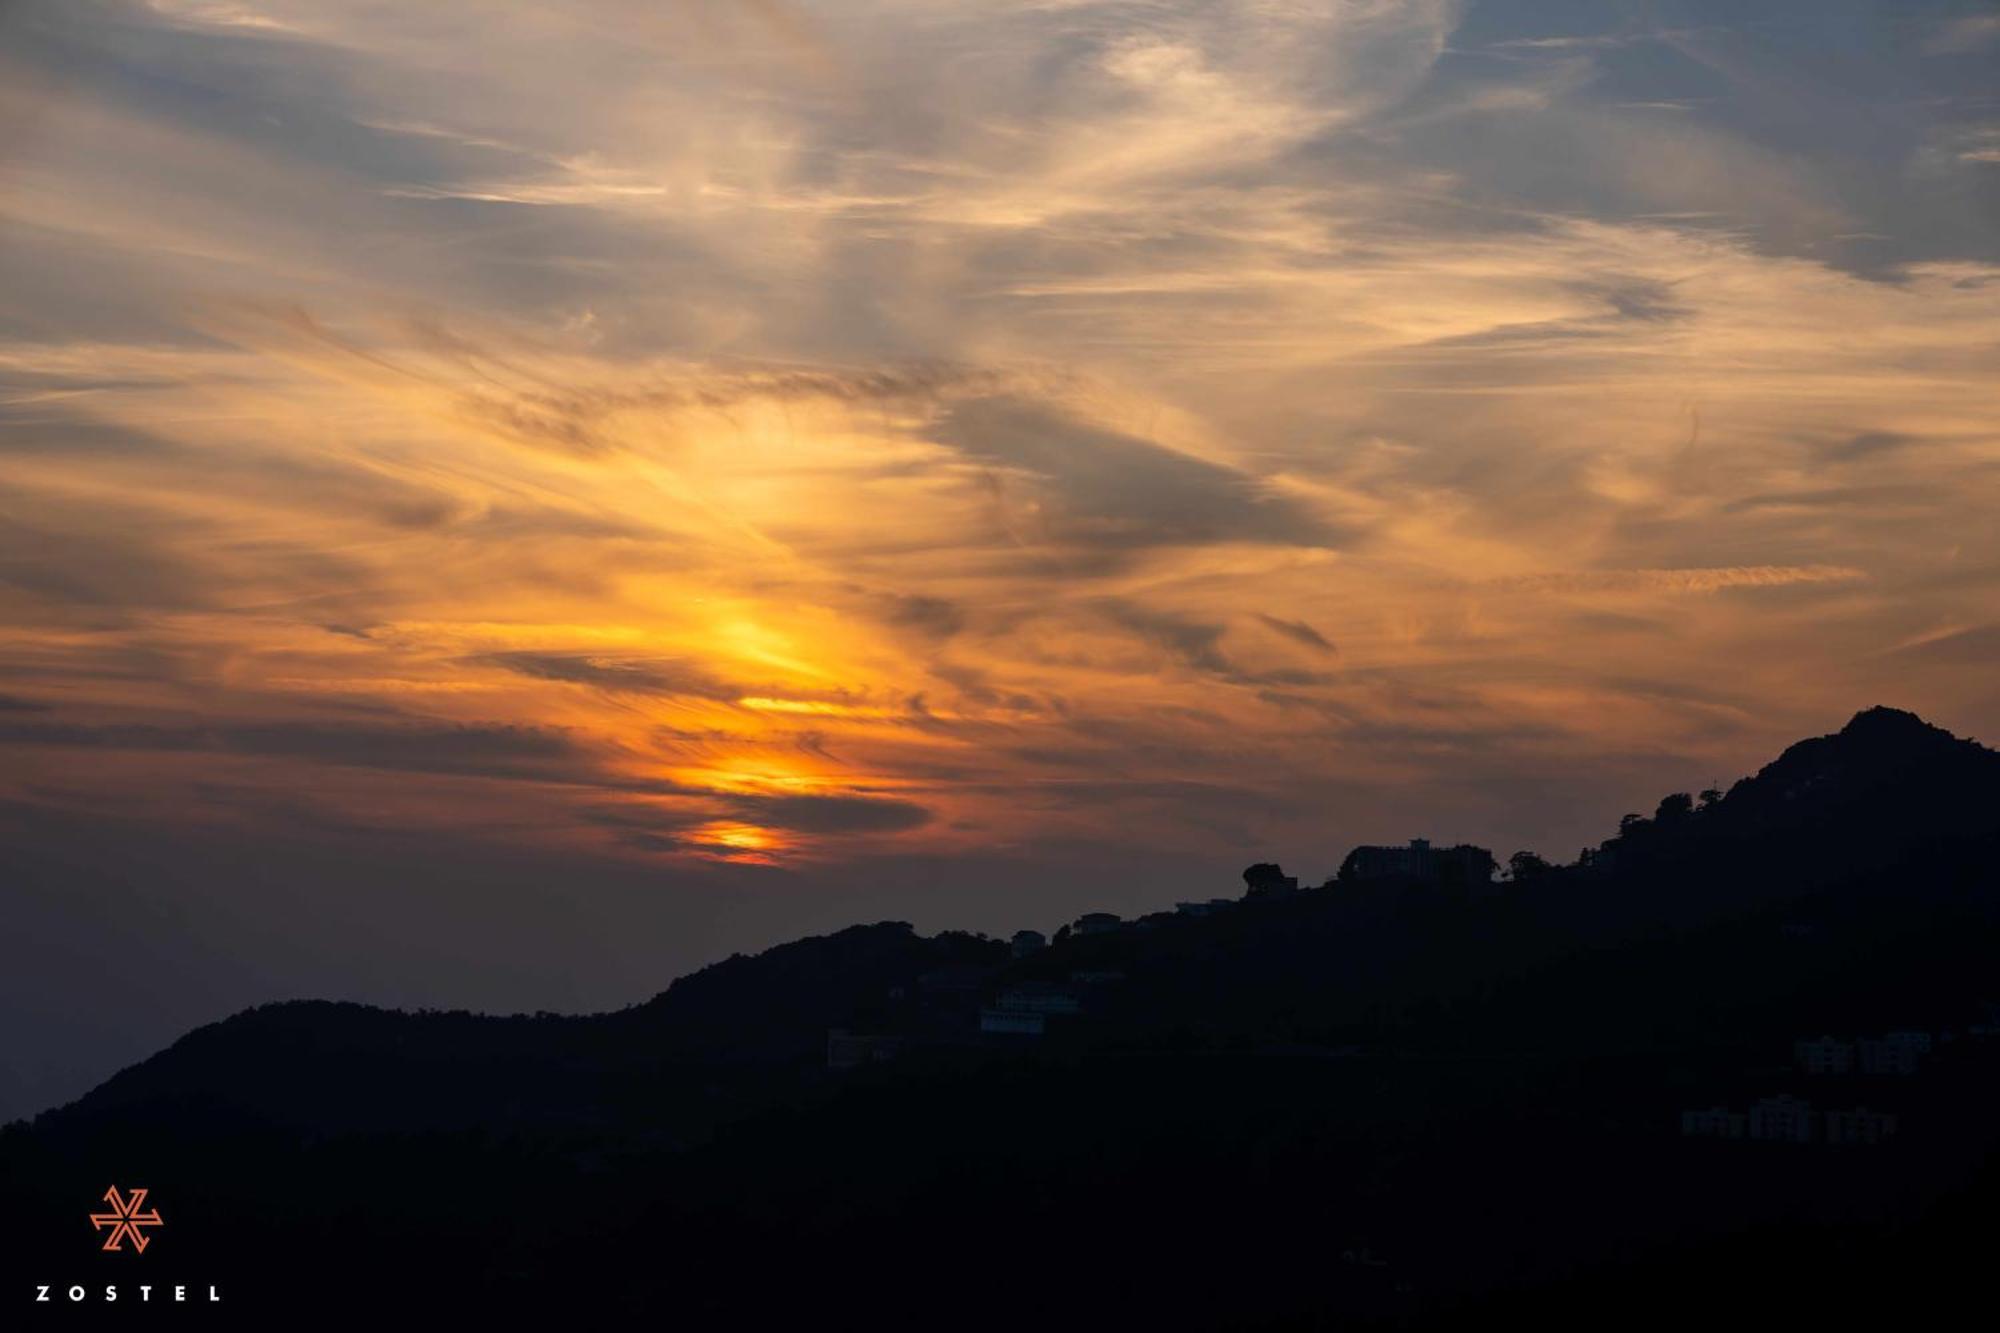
point(323, 1067)
point(777, 1004)
point(1393, 1101)
point(1885, 785)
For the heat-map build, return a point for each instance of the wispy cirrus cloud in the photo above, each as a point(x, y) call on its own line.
point(860, 422)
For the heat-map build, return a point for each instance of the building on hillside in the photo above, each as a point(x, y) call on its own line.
point(1012, 1022)
point(1463, 865)
point(1024, 1008)
point(1781, 1120)
point(1029, 941)
point(1039, 997)
point(1824, 1055)
point(1209, 908)
point(1859, 1125)
point(1896, 1055)
point(851, 1050)
point(1717, 1122)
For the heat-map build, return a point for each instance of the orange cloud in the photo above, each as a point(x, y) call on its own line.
point(826, 450)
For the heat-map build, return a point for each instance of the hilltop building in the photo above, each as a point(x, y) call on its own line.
point(1421, 863)
point(1209, 908)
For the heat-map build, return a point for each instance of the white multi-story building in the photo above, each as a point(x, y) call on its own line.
point(1013, 1022)
point(1898, 1053)
point(1860, 1125)
point(1717, 1122)
point(851, 1050)
point(1782, 1120)
point(1039, 997)
point(1824, 1056)
point(1024, 1008)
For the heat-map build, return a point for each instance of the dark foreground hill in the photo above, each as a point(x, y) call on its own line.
point(1379, 1103)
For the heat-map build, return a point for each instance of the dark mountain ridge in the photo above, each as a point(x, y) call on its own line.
point(1333, 1059)
point(1887, 789)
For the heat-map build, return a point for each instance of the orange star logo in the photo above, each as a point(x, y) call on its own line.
point(125, 1219)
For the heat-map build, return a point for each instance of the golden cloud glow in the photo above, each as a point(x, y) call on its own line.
point(1077, 425)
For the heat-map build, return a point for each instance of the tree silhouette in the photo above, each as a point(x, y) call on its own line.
point(1674, 808)
point(1525, 865)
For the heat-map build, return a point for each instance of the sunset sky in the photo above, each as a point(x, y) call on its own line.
point(502, 503)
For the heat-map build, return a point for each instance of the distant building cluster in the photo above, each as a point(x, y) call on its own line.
point(955, 1004)
point(1789, 1120)
point(1894, 1054)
